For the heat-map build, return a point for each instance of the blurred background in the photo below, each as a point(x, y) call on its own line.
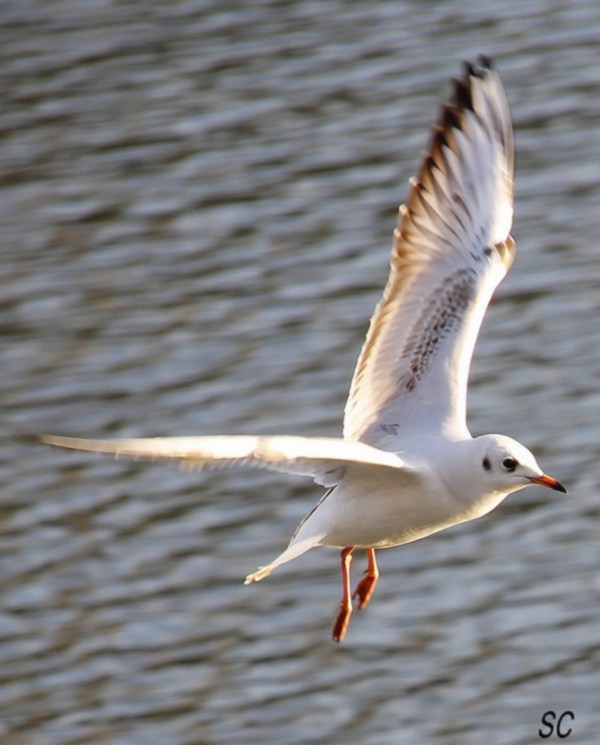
point(196, 207)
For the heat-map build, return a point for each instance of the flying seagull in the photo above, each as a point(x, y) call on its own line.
point(407, 465)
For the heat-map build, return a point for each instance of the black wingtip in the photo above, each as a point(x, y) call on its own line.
point(449, 119)
point(32, 439)
point(476, 69)
point(462, 97)
point(486, 62)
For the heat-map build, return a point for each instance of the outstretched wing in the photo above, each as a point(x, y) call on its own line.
point(451, 249)
point(322, 458)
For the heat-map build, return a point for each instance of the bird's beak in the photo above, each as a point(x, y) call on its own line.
point(548, 481)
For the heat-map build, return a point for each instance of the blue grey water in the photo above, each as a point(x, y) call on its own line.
point(196, 207)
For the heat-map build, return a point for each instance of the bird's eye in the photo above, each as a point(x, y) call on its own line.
point(509, 464)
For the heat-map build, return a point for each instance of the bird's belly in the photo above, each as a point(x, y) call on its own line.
point(386, 517)
point(384, 536)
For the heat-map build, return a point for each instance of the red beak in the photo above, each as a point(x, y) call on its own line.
point(548, 481)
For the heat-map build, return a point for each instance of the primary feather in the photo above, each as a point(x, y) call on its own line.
point(451, 249)
point(324, 459)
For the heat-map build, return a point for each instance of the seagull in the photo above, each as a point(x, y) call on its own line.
point(406, 466)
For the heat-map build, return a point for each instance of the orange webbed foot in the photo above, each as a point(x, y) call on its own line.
point(365, 587)
point(364, 590)
point(341, 623)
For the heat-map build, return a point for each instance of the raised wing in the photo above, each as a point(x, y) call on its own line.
point(322, 458)
point(451, 249)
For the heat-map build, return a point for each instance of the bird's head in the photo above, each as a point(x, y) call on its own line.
point(508, 466)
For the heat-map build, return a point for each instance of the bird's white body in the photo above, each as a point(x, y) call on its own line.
point(442, 484)
point(407, 465)
point(376, 498)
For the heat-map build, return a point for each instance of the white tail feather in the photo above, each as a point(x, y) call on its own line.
point(295, 549)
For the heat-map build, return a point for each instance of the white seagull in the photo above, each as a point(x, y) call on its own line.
point(407, 465)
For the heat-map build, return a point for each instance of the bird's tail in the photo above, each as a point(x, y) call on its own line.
point(295, 549)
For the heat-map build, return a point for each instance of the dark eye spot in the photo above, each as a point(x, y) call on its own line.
point(487, 466)
point(510, 464)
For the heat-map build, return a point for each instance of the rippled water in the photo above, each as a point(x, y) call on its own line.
point(197, 201)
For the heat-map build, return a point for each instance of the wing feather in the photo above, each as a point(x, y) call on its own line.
point(451, 250)
point(323, 459)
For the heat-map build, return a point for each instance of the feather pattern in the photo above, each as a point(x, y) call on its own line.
point(325, 459)
point(451, 249)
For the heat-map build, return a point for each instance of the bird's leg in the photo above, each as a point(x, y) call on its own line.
point(365, 587)
point(343, 617)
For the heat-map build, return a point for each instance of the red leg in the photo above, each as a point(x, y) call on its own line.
point(343, 617)
point(365, 587)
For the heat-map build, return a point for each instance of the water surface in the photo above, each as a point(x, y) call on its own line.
point(197, 202)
